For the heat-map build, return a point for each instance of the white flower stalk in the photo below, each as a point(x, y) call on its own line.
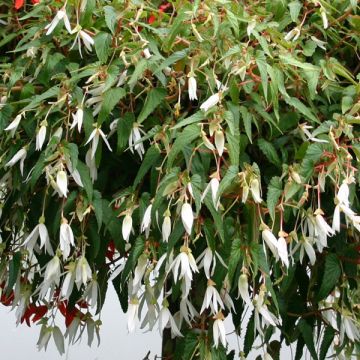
point(132, 314)
point(293, 34)
point(187, 311)
point(182, 267)
point(192, 87)
point(255, 190)
point(219, 334)
point(219, 141)
point(135, 142)
point(60, 15)
point(40, 230)
point(283, 251)
point(66, 238)
point(69, 281)
point(349, 328)
point(167, 320)
point(271, 241)
point(18, 157)
point(12, 127)
point(210, 102)
point(307, 247)
point(146, 222)
point(40, 136)
point(126, 227)
point(83, 272)
point(94, 138)
point(166, 227)
point(212, 299)
point(78, 119)
point(62, 183)
point(187, 217)
point(243, 288)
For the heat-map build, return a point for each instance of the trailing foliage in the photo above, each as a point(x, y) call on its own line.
point(158, 145)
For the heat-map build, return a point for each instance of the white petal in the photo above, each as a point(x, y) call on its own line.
point(210, 102)
point(187, 217)
point(219, 141)
point(126, 227)
point(62, 183)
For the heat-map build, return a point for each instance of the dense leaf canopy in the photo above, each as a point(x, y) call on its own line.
point(201, 156)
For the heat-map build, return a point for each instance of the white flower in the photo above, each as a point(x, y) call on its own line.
point(39, 230)
point(219, 141)
point(68, 283)
point(87, 39)
point(182, 267)
point(343, 194)
point(192, 87)
point(66, 238)
point(214, 186)
point(52, 272)
point(324, 18)
point(212, 299)
point(210, 102)
point(319, 43)
point(166, 319)
point(12, 127)
point(270, 241)
point(243, 288)
point(348, 327)
point(308, 248)
point(60, 15)
point(267, 356)
point(83, 272)
point(322, 230)
point(91, 164)
point(135, 142)
point(255, 190)
point(62, 183)
point(132, 314)
point(187, 217)
point(146, 222)
point(19, 156)
point(166, 228)
point(126, 227)
point(293, 34)
point(122, 78)
point(282, 251)
point(78, 118)
point(91, 293)
point(187, 310)
point(94, 137)
point(206, 258)
point(305, 129)
point(147, 53)
point(40, 137)
point(219, 331)
point(139, 272)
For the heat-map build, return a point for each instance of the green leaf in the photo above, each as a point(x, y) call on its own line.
point(328, 337)
point(153, 99)
point(233, 146)
point(85, 178)
point(273, 194)
point(190, 344)
point(294, 7)
point(250, 335)
point(138, 72)
point(98, 208)
point(307, 333)
point(298, 105)
point(234, 259)
point(103, 46)
point(215, 215)
point(124, 127)
point(195, 118)
point(228, 179)
point(136, 250)
point(269, 151)
point(261, 63)
point(173, 58)
point(14, 267)
point(111, 99)
point(331, 276)
point(247, 119)
point(189, 134)
point(151, 157)
point(110, 18)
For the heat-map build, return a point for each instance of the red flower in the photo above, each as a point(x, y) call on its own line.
point(19, 4)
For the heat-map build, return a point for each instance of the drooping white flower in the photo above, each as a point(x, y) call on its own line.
point(147, 53)
point(19, 156)
point(60, 15)
point(146, 222)
point(40, 136)
point(324, 17)
point(87, 39)
point(78, 119)
point(53, 271)
point(187, 310)
point(135, 142)
point(62, 183)
point(349, 327)
point(94, 137)
point(293, 34)
point(243, 288)
point(210, 102)
point(83, 272)
point(322, 230)
point(255, 190)
point(219, 141)
point(212, 299)
point(182, 267)
point(132, 314)
point(91, 293)
point(192, 87)
point(12, 127)
point(214, 187)
point(219, 334)
point(166, 228)
point(69, 281)
point(66, 238)
point(139, 272)
point(270, 241)
point(307, 247)
point(187, 217)
point(283, 251)
point(206, 258)
point(126, 227)
point(308, 136)
point(122, 79)
point(40, 230)
point(167, 320)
